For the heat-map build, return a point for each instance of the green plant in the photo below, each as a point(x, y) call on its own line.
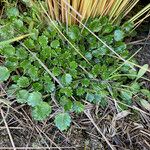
point(44, 64)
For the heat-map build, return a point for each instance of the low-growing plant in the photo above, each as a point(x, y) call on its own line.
point(44, 64)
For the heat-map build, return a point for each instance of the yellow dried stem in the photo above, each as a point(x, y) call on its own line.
point(85, 9)
point(62, 11)
point(75, 6)
point(109, 6)
point(142, 12)
point(129, 7)
point(69, 11)
point(50, 8)
point(114, 9)
point(120, 9)
point(68, 16)
point(140, 21)
point(100, 7)
point(103, 6)
point(56, 9)
point(93, 11)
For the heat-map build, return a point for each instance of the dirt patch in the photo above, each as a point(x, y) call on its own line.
point(129, 132)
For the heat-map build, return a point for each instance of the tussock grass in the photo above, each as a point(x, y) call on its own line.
point(74, 11)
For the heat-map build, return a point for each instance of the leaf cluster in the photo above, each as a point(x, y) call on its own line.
point(93, 81)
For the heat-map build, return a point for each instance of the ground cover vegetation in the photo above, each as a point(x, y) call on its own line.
point(41, 67)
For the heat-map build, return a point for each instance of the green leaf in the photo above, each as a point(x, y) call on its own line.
point(127, 97)
point(74, 33)
point(145, 104)
point(62, 121)
point(92, 41)
point(15, 78)
point(45, 53)
point(80, 91)
point(41, 111)
point(73, 65)
point(128, 26)
point(78, 107)
point(142, 71)
point(29, 43)
point(4, 74)
point(18, 23)
point(118, 35)
point(67, 91)
point(34, 99)
point(104, 20)
point(21, 53)
point(88, 56)
point(22, 96)
point(12, 12)
point(85, 82)
point(55, 44)
point(49, 87)
point(56, 71)
point(11, 63)
point(68, 78)
point(90, 97)
point(109, 39)
point(132, 74)
point(96, 69)
point(46, 78)
point(25, 64)
point(8, 51)
point(120, 47)
point(146, 92)
point(37, 86)
point(43, 40)
point(23, 82)
point(11, 91)
point(66, 103)
point(95, 25)
point(97, 98)
point(135, 87)
point(35, 33)
point(33, 73)
point(107, 29)
point(103, 102)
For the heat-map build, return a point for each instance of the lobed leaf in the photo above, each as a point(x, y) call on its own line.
point(62, 121)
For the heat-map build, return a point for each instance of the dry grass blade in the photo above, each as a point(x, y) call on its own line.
point(84, 9)
point(87, 113)
point(11, 139)
point(37, 148)
point(14, 39)
point(141, 13)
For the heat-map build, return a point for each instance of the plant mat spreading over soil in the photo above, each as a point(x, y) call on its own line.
point(126, 130)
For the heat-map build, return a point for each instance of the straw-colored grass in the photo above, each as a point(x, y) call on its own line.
point(74, 11)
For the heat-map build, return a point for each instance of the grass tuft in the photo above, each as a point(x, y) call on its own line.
point(75, 11)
